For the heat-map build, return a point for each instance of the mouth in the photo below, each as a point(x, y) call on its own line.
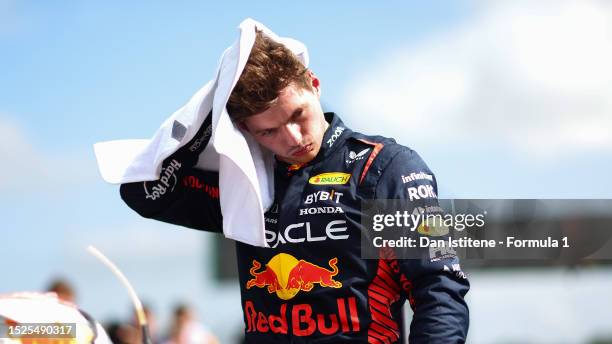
point(302, 150)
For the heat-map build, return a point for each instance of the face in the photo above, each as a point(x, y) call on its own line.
point(293, 128)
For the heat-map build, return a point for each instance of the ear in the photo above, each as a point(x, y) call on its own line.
point(316, 84)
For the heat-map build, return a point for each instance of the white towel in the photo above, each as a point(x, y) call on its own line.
point(246, 178)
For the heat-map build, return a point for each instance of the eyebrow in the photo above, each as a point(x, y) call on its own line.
point(295, 113)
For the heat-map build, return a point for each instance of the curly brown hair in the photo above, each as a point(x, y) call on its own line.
point(270, 68)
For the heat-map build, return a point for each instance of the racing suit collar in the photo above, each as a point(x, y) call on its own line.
point(333, 138)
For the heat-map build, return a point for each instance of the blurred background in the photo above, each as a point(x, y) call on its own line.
point(503, 99)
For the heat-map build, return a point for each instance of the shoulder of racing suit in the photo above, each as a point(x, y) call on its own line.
point(381, 152)
point(389, 166)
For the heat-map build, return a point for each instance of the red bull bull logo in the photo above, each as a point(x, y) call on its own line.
point(286, 276)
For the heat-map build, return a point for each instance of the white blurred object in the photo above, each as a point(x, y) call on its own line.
point(47, 308)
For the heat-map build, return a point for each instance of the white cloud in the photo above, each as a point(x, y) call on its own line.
point(534, 75)
point(26, 167)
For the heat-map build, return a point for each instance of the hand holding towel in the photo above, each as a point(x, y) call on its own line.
point(246, 184)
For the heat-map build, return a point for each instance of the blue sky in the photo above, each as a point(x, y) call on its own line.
point(81, 61)
point(504, 100)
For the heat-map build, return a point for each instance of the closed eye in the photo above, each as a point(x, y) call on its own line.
point(266, 132)
point(297, 113)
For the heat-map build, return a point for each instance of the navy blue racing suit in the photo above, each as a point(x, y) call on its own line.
point(312, 285)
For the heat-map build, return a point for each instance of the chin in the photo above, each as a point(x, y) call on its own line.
point(307, 159)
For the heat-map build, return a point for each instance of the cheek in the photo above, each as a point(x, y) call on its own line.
point(261, 141)
point(316, 131)
point(311, 129)
point(269, 144)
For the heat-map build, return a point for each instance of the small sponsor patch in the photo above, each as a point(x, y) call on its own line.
point(178, 130)
point(416, 176)
point(337, 132)
point(321, 210)
point(166, 182)
point(357, 156)
point(433, 227)
point(421, 192)
point(330, 178)
point(333, 196)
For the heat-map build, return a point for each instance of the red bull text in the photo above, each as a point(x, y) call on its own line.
point(304, 322)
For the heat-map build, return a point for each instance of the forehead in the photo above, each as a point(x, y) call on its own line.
point(290, 99)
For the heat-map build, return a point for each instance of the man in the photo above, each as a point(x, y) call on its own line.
point(312, 285)
point(63, 289)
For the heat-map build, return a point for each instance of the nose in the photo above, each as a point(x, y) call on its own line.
point(293, 134)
